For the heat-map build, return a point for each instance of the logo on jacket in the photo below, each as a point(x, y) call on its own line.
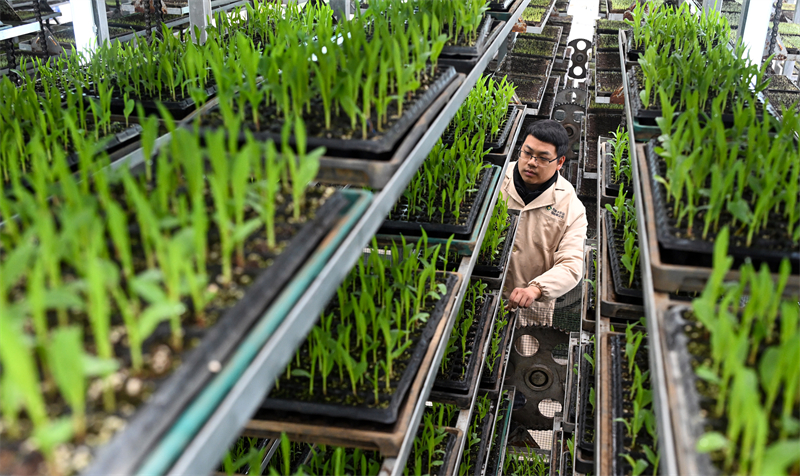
point(555, 213)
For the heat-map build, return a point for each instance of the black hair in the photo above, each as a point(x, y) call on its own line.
point(550, 132)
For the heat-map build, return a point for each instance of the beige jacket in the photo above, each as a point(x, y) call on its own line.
point(548, 251)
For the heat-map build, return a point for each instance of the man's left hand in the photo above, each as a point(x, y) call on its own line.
point(524, 297)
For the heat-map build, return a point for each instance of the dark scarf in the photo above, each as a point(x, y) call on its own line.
point(526, 195)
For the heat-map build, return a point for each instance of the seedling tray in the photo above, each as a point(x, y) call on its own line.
point(386, 438)
point(178, 109)
point(450, 458)
point(492, 383)
point(504, 155)
point(380, 414)
point(461, 392)
point(474, 50)
point(464, 246)
point(548, 53)
point(496, 272)
point(500, 6)
point(114, 145)
point(503, 133)
point(679, 250)
point(375, 171)
point(443, 230)
point(585, 434)
point(688, 422)
point(612, 305)
point(379, 144)
point(494, 463)
point(145, 429)
point(530, 89)
point(505, 15)
point(609, 190)
point(483, 450)
point(615, 251)
point(465, 64)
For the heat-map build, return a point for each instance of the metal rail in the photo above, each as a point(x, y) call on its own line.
point(204, 451)
point(666, 442)
point(15, 31)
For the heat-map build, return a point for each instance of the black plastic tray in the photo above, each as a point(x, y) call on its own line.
point(490, 383)
point(378, 144)
point(500, 6)
point(380, 415)
point(477, 48)
point(179, 109)
point(617, 427)
point(119, 140)
point(698, 252)
point(620, 288)
point(496, 272)
point(151, 421)
point(438, 230)
point(480, 326)
point(465, 64)
point(483, 451)
point(498, 145)
point(611, 189)
point(587, 383)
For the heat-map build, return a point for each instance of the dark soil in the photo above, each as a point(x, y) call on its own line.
point(161, 354)
point(781, 83)
point(548, 101)
point(774, 237)
point(524, 66)
point(339, 389)
point(271, 120)
point(529, 89)
point(607, 61)
point(456, 364)
point(400, 210)
point(598, 125)
point(784, 100)
point(498, 260)
point(618, 241)
point(607, 82)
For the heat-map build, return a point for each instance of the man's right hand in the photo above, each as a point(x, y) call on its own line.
point(524, 297)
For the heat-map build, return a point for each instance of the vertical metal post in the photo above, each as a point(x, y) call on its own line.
point(753, 29)
point(341, 9)
point(199, 14)
point(788, 66)
point(89, 22)
point(712, 5)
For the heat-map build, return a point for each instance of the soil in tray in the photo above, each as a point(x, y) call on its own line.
point(781, 83)
point(525, 66)
point(137, 19)
point(532, 47)
point(271, 121)
point(625, 445)
point(698, 346)
point(502, 132)
point(784, 100)
point(353, 461)
point(499, 424)
point(586, 425)
point(441, 453)
point(773, 239)
point(485, 259)
point(607, 61)
point(400, 211)
point(607, 41)
point(160, 355)
point(338, 391)
point(457, 364)
point(615, 252)
point(608, 81)
point(529, 89)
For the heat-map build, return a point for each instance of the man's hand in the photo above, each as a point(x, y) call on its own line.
point(524, 297)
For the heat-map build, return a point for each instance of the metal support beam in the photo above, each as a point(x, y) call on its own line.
point(89, 23)
point(341, 9)
point(100, 21)
point(709, 5)
point(788, 65)
point(199, 14)
point(753, 28)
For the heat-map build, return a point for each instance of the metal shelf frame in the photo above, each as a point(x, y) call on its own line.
point(666, 442)
point(17, 31)
point(206, 448)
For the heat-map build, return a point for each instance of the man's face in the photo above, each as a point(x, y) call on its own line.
point(534, 161)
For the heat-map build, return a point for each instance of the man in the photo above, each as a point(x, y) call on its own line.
point(547, 258)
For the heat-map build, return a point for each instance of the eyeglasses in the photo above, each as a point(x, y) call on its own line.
point(540, 160)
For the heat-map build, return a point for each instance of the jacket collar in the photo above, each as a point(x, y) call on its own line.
point(546, 199)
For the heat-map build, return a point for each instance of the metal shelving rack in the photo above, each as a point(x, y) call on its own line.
point(204, 443)
point(666, 440)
